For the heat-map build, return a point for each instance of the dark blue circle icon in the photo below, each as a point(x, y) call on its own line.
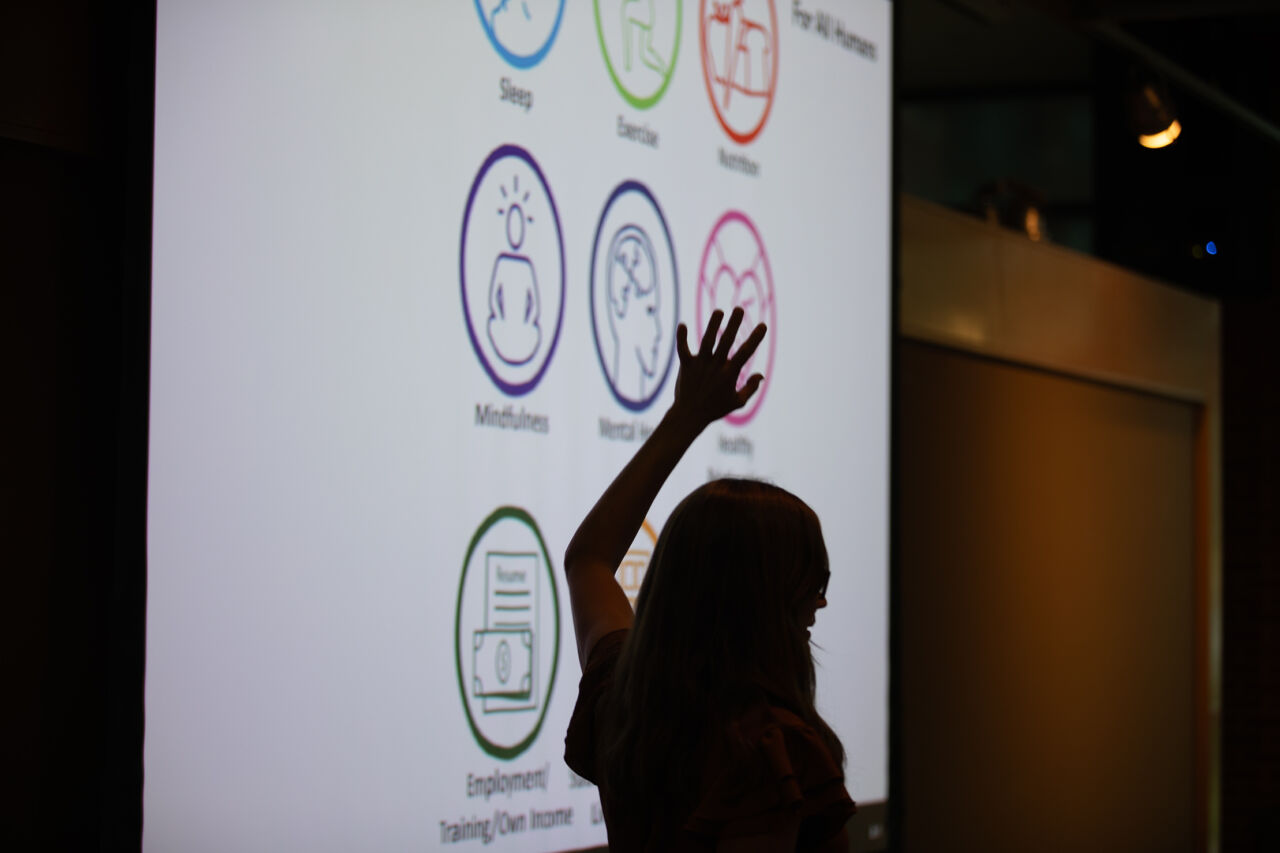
point(635, 296)
point(511, 270)
point(521, 31)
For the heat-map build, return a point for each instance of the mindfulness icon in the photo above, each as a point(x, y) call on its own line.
point(511, 270)
point(514, 306)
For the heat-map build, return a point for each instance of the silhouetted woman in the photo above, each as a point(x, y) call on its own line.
point(695, 715)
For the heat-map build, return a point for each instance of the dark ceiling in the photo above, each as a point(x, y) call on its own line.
point(1032, 92)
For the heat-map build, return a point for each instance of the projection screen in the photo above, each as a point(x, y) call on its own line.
point(391, 369)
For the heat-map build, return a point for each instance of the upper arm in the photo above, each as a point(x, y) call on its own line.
point(597, 602)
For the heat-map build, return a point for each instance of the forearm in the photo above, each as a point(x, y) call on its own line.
point(609, 528)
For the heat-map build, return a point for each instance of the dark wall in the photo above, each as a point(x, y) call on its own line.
point(1251, 556)
point(1221, 181)
point(75, 115)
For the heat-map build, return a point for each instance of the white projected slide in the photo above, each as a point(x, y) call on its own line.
point(417, 271)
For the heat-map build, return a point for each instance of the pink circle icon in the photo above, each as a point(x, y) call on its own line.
point(735, 273)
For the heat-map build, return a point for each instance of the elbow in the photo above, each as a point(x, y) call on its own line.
point(572, 554)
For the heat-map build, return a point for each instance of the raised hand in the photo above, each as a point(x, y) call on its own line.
point(707, 388)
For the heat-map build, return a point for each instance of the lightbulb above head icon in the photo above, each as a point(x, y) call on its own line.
point(633, 292)
point(514, 306)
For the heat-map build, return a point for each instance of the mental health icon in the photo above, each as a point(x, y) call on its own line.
point(640, 40)
point(735, 273)
point(511, 270)
point(521, 31)
point(506, 632)
point(738, 40)
point(635, 295)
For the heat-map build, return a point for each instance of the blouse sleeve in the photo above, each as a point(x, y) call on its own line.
point(788, 774)
point(597, 676)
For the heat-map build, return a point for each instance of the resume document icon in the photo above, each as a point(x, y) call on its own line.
point(504, 651)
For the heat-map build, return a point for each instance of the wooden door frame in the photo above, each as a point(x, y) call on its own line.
point(987, 290)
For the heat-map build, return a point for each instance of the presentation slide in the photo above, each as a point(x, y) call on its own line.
point(417, 271)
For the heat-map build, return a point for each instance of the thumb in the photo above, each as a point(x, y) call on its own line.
point(749, 388)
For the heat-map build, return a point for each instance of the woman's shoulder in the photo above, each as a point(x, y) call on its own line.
point(777, 770)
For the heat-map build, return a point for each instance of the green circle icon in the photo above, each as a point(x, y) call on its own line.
point(640, 40)
point(507, 632)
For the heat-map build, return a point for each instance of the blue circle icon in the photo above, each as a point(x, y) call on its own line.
point(635, 296)
point(511, 269)
point(521, 31)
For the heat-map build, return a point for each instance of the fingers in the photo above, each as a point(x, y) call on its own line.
point(682, 342)
point(730, 333)
point(749, 346)
point(709, 336)
point(749, 388)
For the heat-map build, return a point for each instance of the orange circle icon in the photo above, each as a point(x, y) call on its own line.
point(738, 40)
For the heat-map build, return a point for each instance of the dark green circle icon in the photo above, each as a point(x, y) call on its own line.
point(640, 41)
point(506, 632)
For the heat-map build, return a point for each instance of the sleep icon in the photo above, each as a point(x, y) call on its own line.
point(521, 31)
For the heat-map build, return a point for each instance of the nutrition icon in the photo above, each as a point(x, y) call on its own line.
point(735, 273)
point(507, 632)
point(640, 40)
point(512, 270)
point(739, 46)
point(634, 295)
point(521, 31)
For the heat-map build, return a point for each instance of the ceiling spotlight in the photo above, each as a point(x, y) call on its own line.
point(1161, 139)
point(1151, 111)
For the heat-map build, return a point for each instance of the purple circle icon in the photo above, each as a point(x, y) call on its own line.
point(635, 296)
point(735, 273)
point(511, 270)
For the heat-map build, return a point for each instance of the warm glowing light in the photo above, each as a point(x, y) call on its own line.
point(1163, 138)
point(1032, 223)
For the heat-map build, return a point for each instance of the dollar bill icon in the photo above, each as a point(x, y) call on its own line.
point(503, 664)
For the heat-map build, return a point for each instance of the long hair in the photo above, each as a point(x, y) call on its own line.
point(719, 628)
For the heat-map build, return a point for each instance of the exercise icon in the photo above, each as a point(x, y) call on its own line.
point(634, 295)
point(739, 46)
point(735, 273)
point(521, 31)
point(640, 40)
point(507, 632)
point(512, 270)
